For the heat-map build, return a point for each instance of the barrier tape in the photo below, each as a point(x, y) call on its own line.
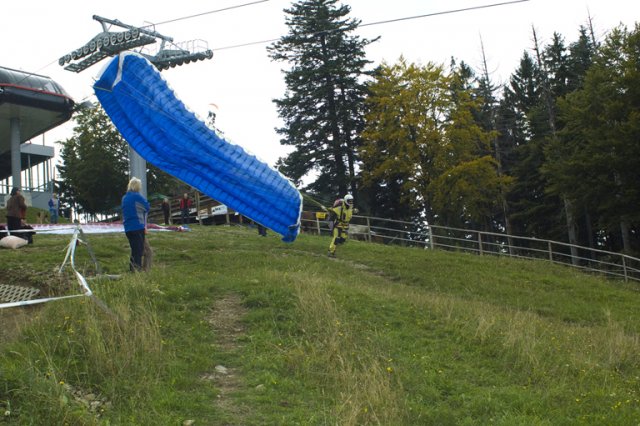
point(89, 228)
point(70, 257)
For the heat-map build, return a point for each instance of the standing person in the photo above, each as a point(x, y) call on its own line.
point(166, 210)
point(134, 217)
point(185, 205)
point(340, 215)
point(54, 208)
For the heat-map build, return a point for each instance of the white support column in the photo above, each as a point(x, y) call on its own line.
point(138, 168)
point(29, 173)
point(15, 153)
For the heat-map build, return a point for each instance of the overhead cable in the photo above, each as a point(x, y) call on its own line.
point(210, 12)
point(387, 21)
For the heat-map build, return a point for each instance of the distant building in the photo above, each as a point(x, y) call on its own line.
point(30, 105)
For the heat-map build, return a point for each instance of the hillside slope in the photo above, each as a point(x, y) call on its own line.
point(230, 328)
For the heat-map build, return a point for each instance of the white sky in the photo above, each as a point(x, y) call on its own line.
point(243, 81)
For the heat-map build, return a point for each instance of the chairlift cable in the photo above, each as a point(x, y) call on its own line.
point(211, 11)
point(387, 21)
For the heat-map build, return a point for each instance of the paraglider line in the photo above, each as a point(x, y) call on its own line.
point(148, 102)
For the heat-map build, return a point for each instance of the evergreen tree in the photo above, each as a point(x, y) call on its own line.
point(556, 64)
point(597, 155)
point(488, 119)
point(525, 128)
point(579, 219)
point(95, 164)
point(468, 188)
point(322, 108)
point(581, 55)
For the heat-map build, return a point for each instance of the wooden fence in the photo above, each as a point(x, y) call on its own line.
point(389, 231)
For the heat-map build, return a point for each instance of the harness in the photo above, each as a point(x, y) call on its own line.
point(340, 220)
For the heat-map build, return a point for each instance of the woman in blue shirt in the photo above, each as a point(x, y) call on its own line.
point(134, 217)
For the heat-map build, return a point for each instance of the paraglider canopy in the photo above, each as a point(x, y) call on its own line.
point(160, 128)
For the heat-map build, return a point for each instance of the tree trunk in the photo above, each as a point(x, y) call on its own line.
point(626, 242)
point(336, 143)
point(571, 231)
point(349, 146)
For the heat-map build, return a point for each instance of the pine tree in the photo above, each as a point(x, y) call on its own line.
point(488, 119)
point(95, 164)
point(581, 55)
point(322, 108)
point(598, 152)
point(468, 188)
point(525, 127)
point(579, 59)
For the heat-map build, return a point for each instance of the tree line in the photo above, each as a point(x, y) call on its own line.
point(553, 153)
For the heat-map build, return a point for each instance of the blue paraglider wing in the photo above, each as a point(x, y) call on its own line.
point(163, 131)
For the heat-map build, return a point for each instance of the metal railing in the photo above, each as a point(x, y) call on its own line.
point(389, 231)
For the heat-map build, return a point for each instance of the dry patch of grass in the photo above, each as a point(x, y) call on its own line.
point(225, 319)
point(356, 373)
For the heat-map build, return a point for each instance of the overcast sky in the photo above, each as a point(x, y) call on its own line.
point(242, 81)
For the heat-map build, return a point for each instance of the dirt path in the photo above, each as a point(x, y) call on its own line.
point(225, 319)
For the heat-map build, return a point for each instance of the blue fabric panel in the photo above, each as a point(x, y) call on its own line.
point(163, 131)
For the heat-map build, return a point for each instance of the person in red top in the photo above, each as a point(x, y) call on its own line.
point(185, 205)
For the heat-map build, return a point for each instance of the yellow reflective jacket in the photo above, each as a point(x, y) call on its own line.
point(341, 215)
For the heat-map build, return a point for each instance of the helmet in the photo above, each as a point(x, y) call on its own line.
point(348, 199)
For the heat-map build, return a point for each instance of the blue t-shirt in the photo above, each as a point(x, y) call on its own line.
point(134, 211)
point(54, 204)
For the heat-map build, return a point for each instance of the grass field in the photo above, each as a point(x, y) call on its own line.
point(230, 328)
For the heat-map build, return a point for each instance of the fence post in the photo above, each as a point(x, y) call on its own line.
point(318, 225)
point(198, 207)
point(431, 242)
point(550, 251)
point(479, 243)
point(368, 230)
point(624, 267)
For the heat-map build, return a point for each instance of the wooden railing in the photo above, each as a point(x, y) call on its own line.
point(389, 231)
point(201, 211)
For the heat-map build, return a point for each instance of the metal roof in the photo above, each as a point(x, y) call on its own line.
point(36, 100)
point(32, 81)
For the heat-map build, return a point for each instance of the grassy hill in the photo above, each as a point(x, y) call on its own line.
point(230, 328)
point(32, 216)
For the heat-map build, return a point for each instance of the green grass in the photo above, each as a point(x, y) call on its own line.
point(32, 216)
point(381, 335)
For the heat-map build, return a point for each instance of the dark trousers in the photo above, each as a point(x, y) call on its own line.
point(166, 216)
point(14, 223)
point(136, 242)
point(185, 216)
